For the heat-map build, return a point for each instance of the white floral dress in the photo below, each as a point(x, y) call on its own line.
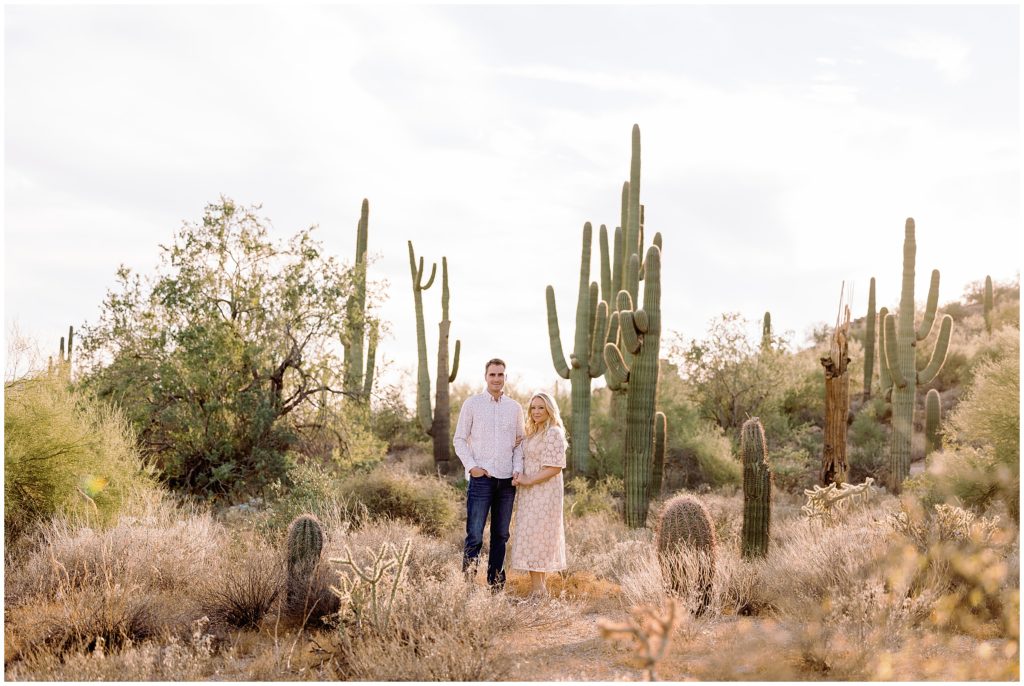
point(538, 534)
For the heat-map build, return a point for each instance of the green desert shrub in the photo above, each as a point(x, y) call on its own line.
point(584, 497)
point(65, 452)
point(713, 453)
point(395, 424)
point(868, 443)
point(358, 446)
point(386, 492)
point(982, 459)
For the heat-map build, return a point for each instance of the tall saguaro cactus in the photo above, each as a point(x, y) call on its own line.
point(869, 342)
point(358, 379)
point(901, 341)
point(587, 360)
point(438, 426)
point(640, 332)
point(766, 332)
point(757, 490)
point(632, 360)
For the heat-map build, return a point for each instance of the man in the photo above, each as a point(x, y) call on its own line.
point(487, 441)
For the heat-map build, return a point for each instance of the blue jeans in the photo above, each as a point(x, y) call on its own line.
point(494, 496)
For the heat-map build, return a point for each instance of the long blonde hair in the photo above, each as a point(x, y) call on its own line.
point(554, 416)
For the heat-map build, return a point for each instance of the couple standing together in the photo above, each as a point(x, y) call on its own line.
point(501, 456)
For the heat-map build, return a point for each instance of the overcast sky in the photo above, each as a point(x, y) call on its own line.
point(783, 148)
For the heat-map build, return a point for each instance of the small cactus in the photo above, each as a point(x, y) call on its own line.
point(869, 342)
point(686, 524)
point(757, 489)
point(989, 303)
point(931, 421)
point(658, 466)
point(766, 332)
point(305, 542)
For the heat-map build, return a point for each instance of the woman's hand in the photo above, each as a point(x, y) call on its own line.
point(521, 480)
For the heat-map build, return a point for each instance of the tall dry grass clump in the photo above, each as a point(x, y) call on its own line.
point(67, 453)
point(75, 588)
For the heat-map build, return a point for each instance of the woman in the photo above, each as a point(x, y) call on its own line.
point(538, 539)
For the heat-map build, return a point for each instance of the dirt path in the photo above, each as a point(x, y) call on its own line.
point(572, 651)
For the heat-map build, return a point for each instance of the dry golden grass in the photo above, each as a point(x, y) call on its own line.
point(171, 593)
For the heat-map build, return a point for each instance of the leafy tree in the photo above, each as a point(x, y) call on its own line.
point(213, 354)
point(732, 378)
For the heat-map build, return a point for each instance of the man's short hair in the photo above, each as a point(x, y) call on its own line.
point(494, 361)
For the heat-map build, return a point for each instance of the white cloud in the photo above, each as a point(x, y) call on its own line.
point(769, 189)
point(948, 54)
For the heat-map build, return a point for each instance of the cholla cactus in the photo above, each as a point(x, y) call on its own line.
point(305, 542)
point(828, 504)
point(650, 629)
point(686, 525)
point(949, 523)
point(360, 593)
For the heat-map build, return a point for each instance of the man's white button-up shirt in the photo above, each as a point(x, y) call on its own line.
point(486, 433)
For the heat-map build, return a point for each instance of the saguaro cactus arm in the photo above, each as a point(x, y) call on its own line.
point(455, 361)
point(630, 340)
point(418, 274)
point(617, 372)
point(606, 269)
point(618, 279)
point(596, 363)
point(589, 333)
point(932, 403)
point(633, 277)
point(930, 307)
point(927, 375)
point(555, 337)
point(891, 354)
point(884, 378)
point(371, 356)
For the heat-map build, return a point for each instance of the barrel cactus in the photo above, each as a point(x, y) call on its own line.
point(757, 490)
point(305, 542)
point(685, 525)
